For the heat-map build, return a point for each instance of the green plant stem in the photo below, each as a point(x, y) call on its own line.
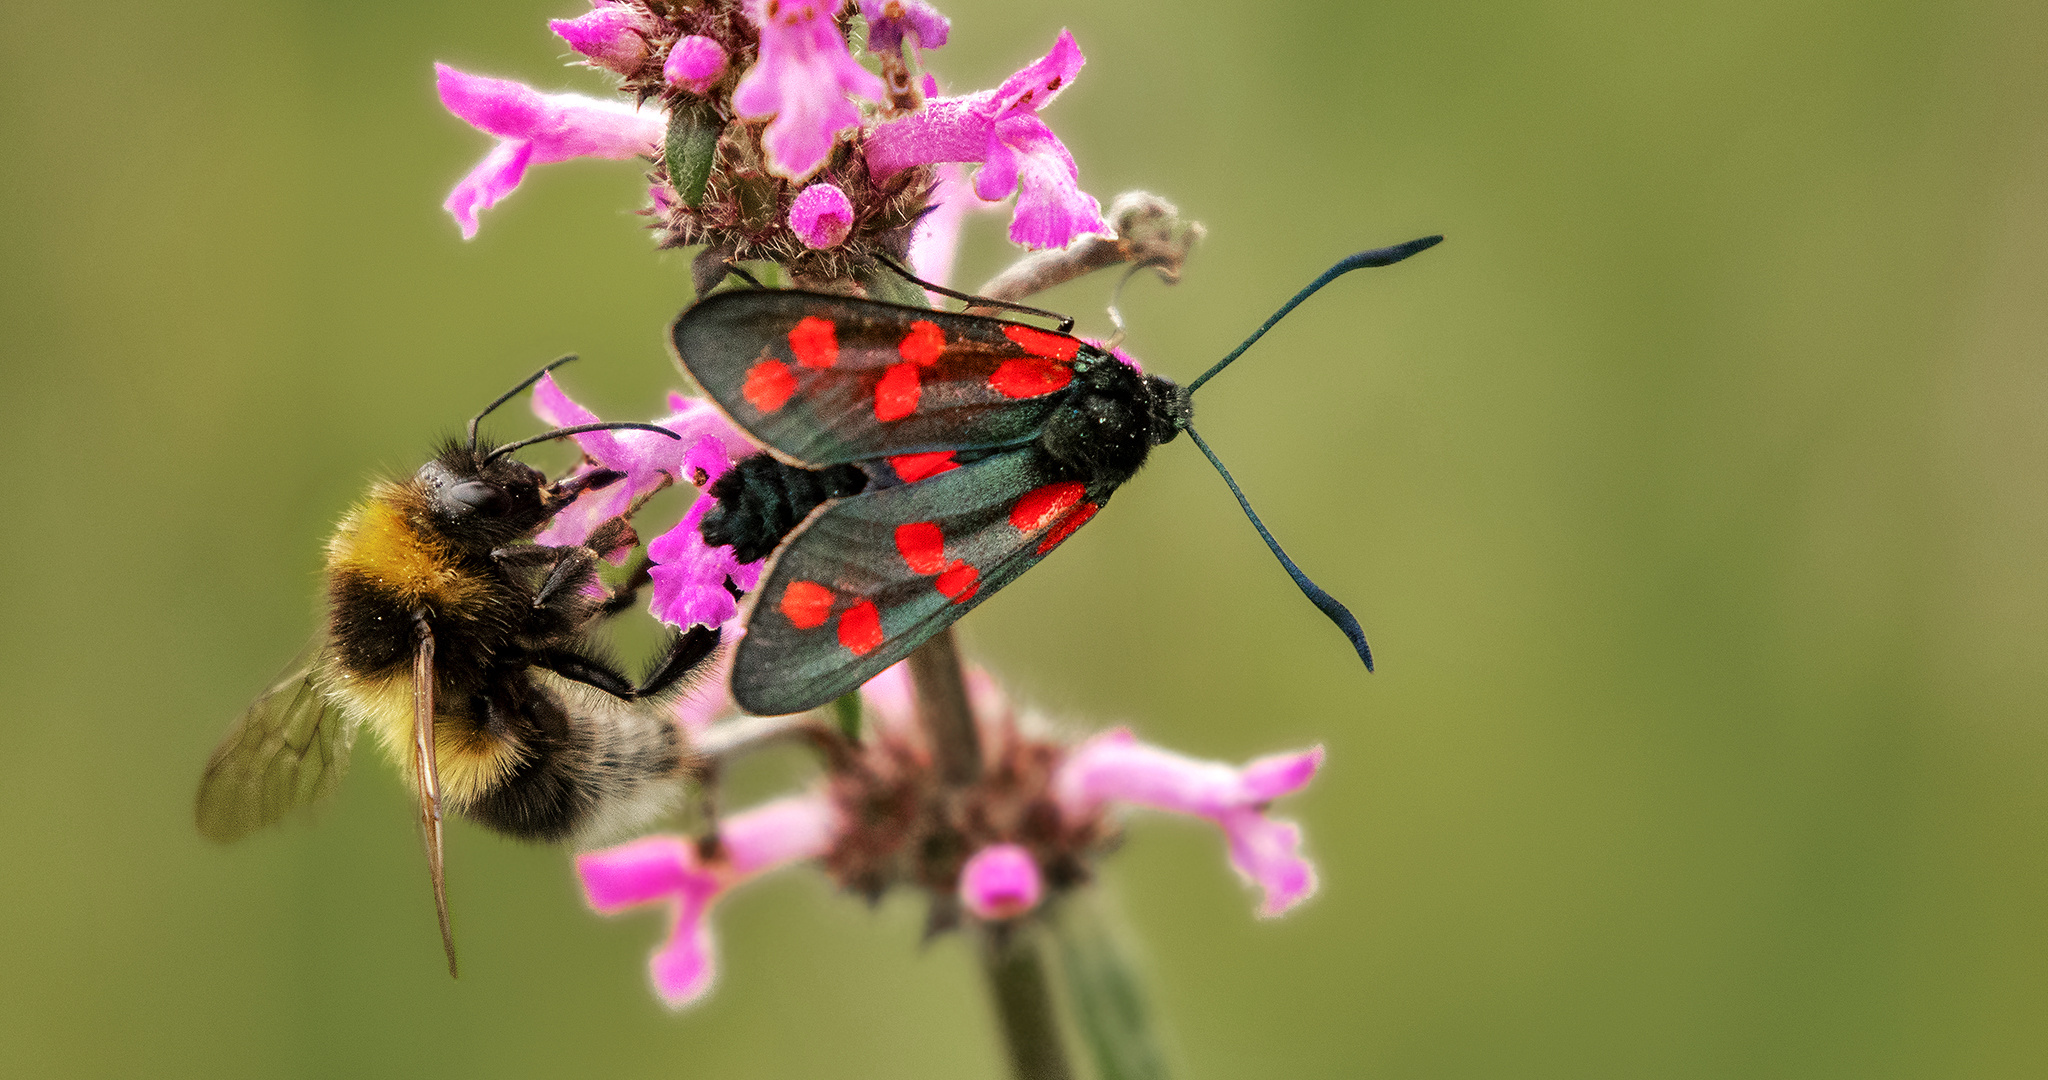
point(943, 711)
point(1009, 957)
point(1023, 1000)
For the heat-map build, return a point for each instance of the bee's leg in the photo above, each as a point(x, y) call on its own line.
point(568, 575)
point(580, 668)
point(685, 653)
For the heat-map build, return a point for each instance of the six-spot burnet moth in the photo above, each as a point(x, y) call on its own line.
point(915, 462)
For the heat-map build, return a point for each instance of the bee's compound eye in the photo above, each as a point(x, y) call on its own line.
point(478, 497)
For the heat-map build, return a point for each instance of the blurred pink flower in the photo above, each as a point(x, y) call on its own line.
point(1000, 881)
point(670, 869)
point(1000, 129)
point(534, 129)
point(935, 240)
point(889, 20)
point(802, 79)
point(1115, 767)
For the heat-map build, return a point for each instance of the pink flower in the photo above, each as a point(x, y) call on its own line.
point(821, 215)
point(689, 575)
point(1000, 128)
point(694, 63)
point(670, 869)
point(1000, 881)
point(648, 459)
point(534, 129)
point(611, 35)
point(1115, 767)
point(889, 20)
point(802, 79)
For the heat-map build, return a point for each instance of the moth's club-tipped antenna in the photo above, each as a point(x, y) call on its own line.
point(512, 393)
point(1329, 605)
point(1386, 256)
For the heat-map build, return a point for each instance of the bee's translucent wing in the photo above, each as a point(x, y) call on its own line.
point(290, 748)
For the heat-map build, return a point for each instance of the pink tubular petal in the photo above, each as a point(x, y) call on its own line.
point(1116, 767)
point(683, 969)
point(802, 79)
point(889, 20)
point(821, 215)
point(1000, 882)
point(610, 36)
point(788, 830)
point(493, 178)
point(667, 868)
point(538, 129)
point(936, 239)
point(1000, 128)
point(948, 129)
point(694, 63)
point(1268, 854)
point(1051, 209)
point(649, 869)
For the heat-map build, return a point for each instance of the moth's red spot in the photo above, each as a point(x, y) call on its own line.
point(924, 343)
point(1029, 378)
point(914, 467)
point(1039, 506)
point(860, 628)
point(815, 342)
point(1039, 343)
point(923, 546)
point(959, 583)
point(896, 394)
point(768, 386)
point(1067, 526)
point(806, 604)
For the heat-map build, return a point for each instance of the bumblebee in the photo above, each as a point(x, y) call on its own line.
point(463, 646)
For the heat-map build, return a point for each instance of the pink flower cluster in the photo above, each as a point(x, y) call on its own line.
point(688, 577)
point(798, 73)
point(1000, 880)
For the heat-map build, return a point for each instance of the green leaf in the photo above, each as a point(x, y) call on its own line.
point(690, 148)
point(1105, 993)
point(847, 709)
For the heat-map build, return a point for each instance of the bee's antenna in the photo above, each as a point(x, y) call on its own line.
point(1066, 321)
point(510, 394)
point(576, 430)
point(1386, 256)
point(1336, 611)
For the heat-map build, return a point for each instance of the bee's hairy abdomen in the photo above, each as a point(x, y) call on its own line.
point(594, 765)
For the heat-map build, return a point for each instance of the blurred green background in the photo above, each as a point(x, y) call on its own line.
point(1694, 494)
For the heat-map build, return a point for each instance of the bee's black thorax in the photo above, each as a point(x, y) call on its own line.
point(1111, 418)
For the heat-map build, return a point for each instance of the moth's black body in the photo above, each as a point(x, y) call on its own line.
point(1099, 433)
